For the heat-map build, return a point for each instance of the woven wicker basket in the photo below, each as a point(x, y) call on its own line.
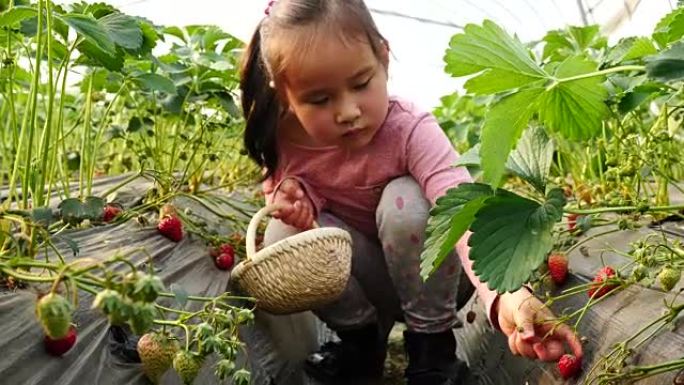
point(298, 273)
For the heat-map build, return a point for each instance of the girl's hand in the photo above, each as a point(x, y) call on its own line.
point(521, 317)
point(298, 210)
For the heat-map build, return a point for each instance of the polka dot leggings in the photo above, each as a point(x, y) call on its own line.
point(386, 282)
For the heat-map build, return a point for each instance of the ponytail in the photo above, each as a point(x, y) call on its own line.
point(260, 107)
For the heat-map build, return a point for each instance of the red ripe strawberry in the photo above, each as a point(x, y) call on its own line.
point(57, 347)
point(569, 366)
point(226, 259)
point(171, 227)
point(214, 252)
point(110, 212)
point(572, 221)
point(226, 248)
point(558, 267)
point(598, 290)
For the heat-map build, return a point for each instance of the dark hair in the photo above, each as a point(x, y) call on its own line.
point(264, 62)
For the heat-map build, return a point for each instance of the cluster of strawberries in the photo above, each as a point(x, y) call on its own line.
point(569, 365)
point(54, 311)
point(558, 270)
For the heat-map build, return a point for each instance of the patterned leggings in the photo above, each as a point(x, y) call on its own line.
point(385, 282)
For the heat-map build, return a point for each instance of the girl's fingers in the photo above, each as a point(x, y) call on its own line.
point(284, 212)
point(512, 345)
point(308, 218)
point(298, 215)
point(305, 215)
point(524, 348)
point(564, 333)
point(549, 350)
point(291, 189)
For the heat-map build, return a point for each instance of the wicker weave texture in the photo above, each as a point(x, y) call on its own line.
point(299, 273)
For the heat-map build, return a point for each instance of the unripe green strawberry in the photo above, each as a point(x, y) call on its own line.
point(147, 288)
point(168, 210)
point(54, 313)
point(113, 305)
point(142, 317)
point(548, 283)
point(187, 366)
point(156, 354)
point(639, 272)
point(669, 277)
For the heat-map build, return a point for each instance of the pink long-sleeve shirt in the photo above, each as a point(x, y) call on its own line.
point(349, 183)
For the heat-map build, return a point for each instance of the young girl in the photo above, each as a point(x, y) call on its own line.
point(337, 149)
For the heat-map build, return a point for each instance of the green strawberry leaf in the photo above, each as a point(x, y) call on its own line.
point(89, 27)
point(503, 61)
point(73, 245)
point(670, 28)
point(587, 37)
point(470, 157)
point(571, 101)
point(180, 294)
point(71, 210)
point(175, 31)
point(449, 220)
point(42, 216)
point(668, 65)
point(93, 208)
point(149, 37)
point(639, 95)
point(504, 123)
point(631, 48)
point(17, 14)
point(511, 237)
point(212, 35)
point(574, 108)
point(532, 158)
point(93, 55)
point(155, 82)
point(122, 29)
point(560, 44)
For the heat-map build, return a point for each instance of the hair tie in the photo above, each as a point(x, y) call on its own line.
point(267, 11)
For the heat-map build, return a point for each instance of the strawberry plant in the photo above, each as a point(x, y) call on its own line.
point(574, 128)
point(136, 298)
point(562, 94)
point(83, 95)
point(134, 111)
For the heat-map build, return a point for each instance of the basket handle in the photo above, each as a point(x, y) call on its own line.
point(254, 224)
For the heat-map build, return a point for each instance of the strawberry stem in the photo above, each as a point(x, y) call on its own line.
point(601, 73)
point(625, 209)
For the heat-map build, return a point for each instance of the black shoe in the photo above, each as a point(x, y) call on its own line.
point(432, 359)
point(360, 354)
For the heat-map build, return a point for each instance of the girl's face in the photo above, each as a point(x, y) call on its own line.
point(338, 91)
